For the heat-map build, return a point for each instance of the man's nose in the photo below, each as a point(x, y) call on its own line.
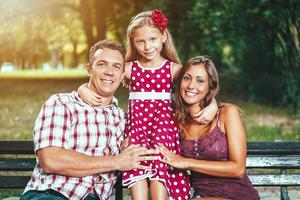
point(109, 70)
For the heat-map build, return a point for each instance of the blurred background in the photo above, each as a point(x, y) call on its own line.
point(44, 47)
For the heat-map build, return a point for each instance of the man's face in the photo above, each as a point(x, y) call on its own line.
point(106, 71)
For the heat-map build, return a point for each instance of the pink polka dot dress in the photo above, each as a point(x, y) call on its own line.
point(150, 122)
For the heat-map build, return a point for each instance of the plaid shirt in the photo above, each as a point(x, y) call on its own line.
point(66, 121)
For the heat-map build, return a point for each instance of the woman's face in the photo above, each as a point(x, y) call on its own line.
point(194, 85)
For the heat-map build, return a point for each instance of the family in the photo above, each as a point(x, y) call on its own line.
point(83, 141)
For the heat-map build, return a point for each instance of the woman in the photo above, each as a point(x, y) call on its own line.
point(214, 153)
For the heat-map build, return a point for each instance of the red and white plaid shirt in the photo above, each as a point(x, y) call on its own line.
point(66, 121)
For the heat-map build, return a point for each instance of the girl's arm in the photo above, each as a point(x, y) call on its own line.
point(236, 138)
point(88, 96)
point(207, 114)
point(175, 69)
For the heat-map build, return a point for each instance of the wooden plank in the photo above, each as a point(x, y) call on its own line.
point(17, 164)
point(254, 148)
point(13, 181)
point(273, 148)
point(16, 147)
point(275, 179)
point(277, 162)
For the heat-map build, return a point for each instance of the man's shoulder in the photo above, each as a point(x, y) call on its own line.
point(61, 99)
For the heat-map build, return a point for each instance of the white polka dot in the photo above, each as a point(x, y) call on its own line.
point(168, 86)
point(177, 190)
point(168, 75)
point(142, 105)
point(175, 183)
point(143, 90)
point(152, 81)
point(138, 74)
point(163, 71)
point(163, 80)
point(182, 182)
point(167, 66)
point(151, 105)
point(143, 80)
point(153, 71)
point(147, 75)
point(148, 86)
point(133, 78)
point(158, 76)
point(184, 189)
point(145, 119)
point(140, 172)
point(134, 68)
point(151, 115)
point(138, 84)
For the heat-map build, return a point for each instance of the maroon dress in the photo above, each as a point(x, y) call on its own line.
point(213, 146)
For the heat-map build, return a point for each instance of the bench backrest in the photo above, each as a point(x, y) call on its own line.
point(19, 156)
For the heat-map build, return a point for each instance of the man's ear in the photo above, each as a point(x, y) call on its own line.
point(88, 68)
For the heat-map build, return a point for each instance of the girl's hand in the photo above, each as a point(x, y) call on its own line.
point(124, 144)
point(172, 159)
point(88, 96)
point(206, 115)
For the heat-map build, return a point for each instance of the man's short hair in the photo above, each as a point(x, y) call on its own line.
point(106, 44)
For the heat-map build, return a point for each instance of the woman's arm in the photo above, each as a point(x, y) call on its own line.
point(235, 166)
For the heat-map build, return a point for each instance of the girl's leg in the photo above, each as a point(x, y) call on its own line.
point(158, 190)
point(139, 190)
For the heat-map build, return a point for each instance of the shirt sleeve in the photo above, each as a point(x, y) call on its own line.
point(51, 126)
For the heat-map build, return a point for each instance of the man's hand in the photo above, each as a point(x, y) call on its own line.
point(131, 157)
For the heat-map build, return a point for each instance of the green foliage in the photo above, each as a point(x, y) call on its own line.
point(271, 134)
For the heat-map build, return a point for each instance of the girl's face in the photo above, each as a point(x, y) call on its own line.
point(194, 85)
point(148, 42)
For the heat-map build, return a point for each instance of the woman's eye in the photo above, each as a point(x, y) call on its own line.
point(153, 39)
point(186, 78)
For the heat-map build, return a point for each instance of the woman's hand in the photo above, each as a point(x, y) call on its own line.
point(172, 159)
point(88, 96)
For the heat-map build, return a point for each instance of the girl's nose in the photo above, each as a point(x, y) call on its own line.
point(147, 45)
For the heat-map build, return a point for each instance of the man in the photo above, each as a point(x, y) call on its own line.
point(77, 145)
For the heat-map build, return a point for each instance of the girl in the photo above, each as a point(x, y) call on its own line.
point(152, 63)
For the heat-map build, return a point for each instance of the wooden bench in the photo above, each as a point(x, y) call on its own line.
point(18, 156)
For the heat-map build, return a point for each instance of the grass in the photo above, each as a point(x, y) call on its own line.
point(22, 98)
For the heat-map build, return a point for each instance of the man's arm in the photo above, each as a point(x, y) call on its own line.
point(56, 160)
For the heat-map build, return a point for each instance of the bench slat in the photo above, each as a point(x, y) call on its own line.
point(17, 164)
point(273, 148)
point(16, 147)
point(13, 181)
point(291, 162)
point(275, 179)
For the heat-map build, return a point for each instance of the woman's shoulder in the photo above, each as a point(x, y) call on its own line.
point(227, 109)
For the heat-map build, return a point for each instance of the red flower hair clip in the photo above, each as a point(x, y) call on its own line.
point(159, 19)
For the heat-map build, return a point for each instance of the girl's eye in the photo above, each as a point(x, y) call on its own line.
point(153, 39)
point(200, 81)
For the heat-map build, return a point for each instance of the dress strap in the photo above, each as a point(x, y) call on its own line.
point(218, 118)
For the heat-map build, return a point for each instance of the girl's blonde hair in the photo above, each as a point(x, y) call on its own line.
point(142, 19)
